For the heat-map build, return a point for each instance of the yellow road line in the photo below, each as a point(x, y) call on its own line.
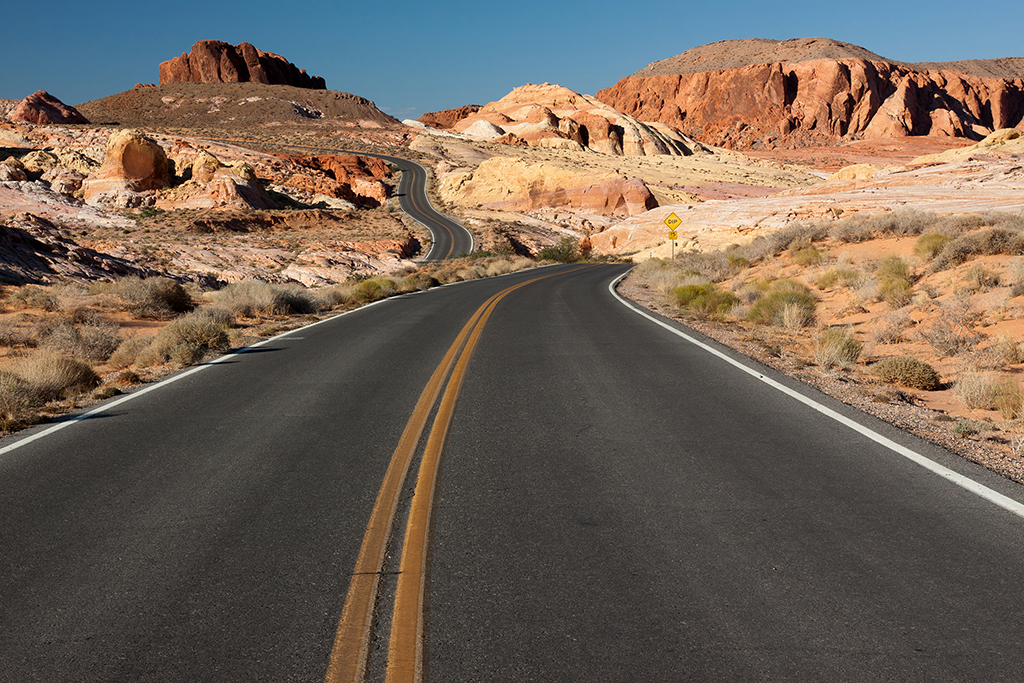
point(405, 650)
point(350, 653)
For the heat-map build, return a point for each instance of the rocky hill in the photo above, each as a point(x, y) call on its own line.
point(755, 94)
point(214, 61)
point(556, 117)
point(230, 105)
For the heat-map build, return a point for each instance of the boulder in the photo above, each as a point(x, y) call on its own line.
point(134, 164)
point(12, 169)
point(213, 185)
point(64, 180)
point(42, 108)
point(214, 61)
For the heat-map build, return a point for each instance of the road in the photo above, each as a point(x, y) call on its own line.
point(608, 502)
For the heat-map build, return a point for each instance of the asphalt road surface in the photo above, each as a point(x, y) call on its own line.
point(612, 503)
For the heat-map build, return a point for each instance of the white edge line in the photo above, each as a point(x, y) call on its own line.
point(960, 480)
point(172, 379)
point(198, 368)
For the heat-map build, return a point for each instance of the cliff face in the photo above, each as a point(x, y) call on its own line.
point(818, 101)
point(214, 61)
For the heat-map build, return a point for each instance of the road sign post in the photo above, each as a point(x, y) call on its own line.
point(673, 222)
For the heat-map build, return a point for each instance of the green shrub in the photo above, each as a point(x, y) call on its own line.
point(928, 246)
point(896, 293)
point(420, 281)
point(771, 309)
point(566, 251)
point(908, 372)
point(836, 347)
point(808, 256)
point(705, 299)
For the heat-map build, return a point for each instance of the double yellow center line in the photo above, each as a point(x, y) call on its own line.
point(350, 654)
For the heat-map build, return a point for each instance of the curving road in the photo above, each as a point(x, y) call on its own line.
point(604, 500)
point(449, 239)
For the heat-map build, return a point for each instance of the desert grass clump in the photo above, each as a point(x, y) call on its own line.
point(420, 281)
point(17, 398)
point(34, 296)
point(808, 256)
point(894, 282)
point(907, 371)
point(1005, 240)
point(155, 297)
point(252, 298)
point(373, 289)
point(929, 246)
point(705, 300)
point(990, 391)
point(786, 303)
point(53, 376)
point(836, 348)
point(981, 279)
point(127, 352)
point(185, 341)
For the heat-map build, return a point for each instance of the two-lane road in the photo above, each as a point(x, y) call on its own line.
point(612, 502)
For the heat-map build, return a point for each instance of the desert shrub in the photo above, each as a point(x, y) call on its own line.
point(217, 314)
point(836, 347)
point(705, 300)
point(737, 263)
point(892, 329)
point(335, 295)
point(250, 298)
point(499, 267)
point(809, 256)
point(896, 293)
point(17, 396)
point(892, 268)
point(566, 251)
point(827, 279)
point(34, 296)
point(977, 390)
point(468, 274)
point(981, 279)
point(928, 246)
point(367, 291)
point(420, 281)
point(92, 341)
point(908, 372)
point(154, 297)
point(54, 376)
point(128, 351)
point(988, 242)
point(712, 266)
point(11, 335)
point(771, 309)
point(1009, 399)
point(949, 339)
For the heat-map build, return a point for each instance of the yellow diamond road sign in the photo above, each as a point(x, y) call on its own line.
point(673, 221)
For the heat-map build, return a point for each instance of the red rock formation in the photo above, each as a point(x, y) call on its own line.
point(214, 61)
point(350, 177)
point(42, 108)
point(819, 101)
point(449, 117)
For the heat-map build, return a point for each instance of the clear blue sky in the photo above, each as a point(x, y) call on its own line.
point(416, 57)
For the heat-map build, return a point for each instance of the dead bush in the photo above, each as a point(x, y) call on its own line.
point(988, 242)
point(34, 296)
point(93, 341)
point(155, 297)
point(17, 397)
point(892, 328)
point(53, 376)
point(251, 298)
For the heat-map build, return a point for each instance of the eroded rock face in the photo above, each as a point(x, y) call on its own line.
point(513, 184)
point(214, 61)
point(134, 165)
point(42, 108)
point(556, 117)
point(821, 101)
point(447, 118)
point(213, 185)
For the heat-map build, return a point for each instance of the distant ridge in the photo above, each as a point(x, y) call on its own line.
point(736, 54)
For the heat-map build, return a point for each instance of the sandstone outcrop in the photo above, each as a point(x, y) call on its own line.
point(214, 61)
point(556, 117)
point(803, 94)
point(134, 164)
point(42, 108)
point(449, 117)
point(357, 179)
point(513, 184)
point(213, 185)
